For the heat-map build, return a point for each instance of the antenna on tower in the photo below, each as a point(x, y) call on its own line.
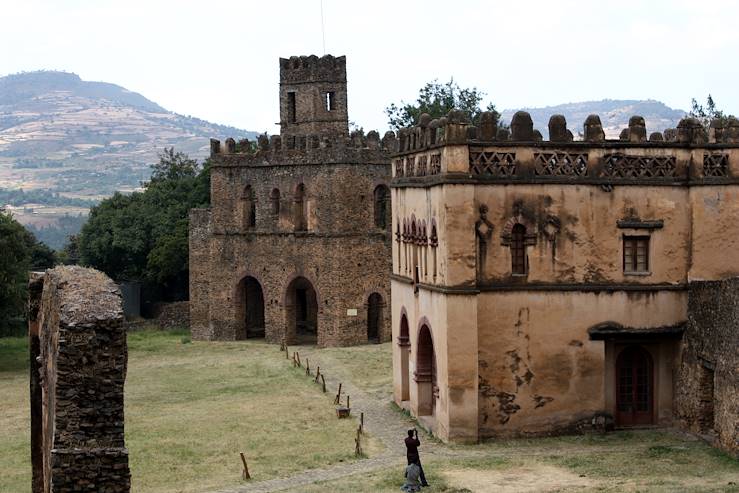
point(323, 30)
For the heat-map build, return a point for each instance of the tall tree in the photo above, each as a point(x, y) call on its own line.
point(437, 99)
point(21, 253)
point(708, 112)
point(143, 236)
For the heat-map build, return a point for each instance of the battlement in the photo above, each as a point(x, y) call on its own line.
point(302, 69)
point(305, 149)
point(685, 155)
point(455, 129)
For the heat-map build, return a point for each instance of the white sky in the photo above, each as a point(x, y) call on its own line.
point(218, 60)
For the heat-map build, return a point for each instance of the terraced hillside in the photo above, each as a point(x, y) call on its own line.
point(87, 139)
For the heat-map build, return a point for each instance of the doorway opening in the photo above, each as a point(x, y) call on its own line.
point(634, 387)
point(374, 318)
point(302, 312)
point(426, 373)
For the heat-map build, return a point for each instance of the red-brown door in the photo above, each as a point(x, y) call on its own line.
point(634, 387)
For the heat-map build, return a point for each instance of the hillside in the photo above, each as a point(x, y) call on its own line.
point(614, 114)
point(87, 139)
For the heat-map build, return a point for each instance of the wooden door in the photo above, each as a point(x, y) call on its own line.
point(634, 387)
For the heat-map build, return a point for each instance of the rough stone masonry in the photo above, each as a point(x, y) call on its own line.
point(78, 368)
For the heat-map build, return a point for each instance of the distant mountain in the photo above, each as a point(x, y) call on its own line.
point(614, 114)
point(88, 139)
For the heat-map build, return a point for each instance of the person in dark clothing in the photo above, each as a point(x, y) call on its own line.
point(411, 444)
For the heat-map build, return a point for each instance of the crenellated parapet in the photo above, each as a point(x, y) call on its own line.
point(302, 69)
point(305, 149)
point(451, 148)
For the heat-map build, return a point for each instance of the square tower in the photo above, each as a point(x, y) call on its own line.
point(313, 98)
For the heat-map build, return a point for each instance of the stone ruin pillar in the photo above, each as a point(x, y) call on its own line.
point(78, 368)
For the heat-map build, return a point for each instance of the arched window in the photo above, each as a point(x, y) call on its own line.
point(518, 250)
point(248, 209)
point(382, 209)
point(299, 212)
point(275, 198)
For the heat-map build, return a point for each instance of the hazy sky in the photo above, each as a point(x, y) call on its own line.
point(218, 60)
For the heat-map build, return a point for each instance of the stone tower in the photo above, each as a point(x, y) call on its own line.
point(295, 246)
point(313, 96)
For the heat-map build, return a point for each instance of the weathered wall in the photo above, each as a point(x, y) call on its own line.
point(546, 361)
point(540, 372)
point(199, 268)
point(173, 315)
point(707, 398)
point(77, 320)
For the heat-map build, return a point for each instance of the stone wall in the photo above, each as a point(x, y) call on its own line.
point(175, 315)
point(79, 357)
point(708, 378)
point(299, 222)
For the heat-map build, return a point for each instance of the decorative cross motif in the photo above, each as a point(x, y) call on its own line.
point(421, 170)
point(715, 164)
point(560, 163)
point(399, 171)
point(435, 164)
point(622, 166)
point(492, 163)
point(410, 163)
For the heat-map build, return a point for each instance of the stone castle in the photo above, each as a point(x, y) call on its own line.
point(549, 286)
point(296, 244)
point(538, 286)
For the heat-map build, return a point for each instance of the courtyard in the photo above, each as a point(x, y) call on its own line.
point(192, 407)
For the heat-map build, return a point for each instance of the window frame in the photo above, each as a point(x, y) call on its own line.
point(518, 251)
point(633, 242)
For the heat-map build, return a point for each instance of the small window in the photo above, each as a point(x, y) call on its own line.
point(299, 219)
point(275, 196)
point(636, 254)
point(330, 101)
point(382, 211)
point(248, 208)
point(518, 250)
point(291, 117)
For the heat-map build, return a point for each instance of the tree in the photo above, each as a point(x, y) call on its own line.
point(437, 99)
point(21, 253)
point(708, 112)
point(143, 236)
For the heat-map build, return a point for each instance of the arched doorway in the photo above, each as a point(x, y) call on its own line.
point(302, 312)
point(374, 317)
point(634, 387)
point(251, 307)
point(405, 348)
point(426, 373)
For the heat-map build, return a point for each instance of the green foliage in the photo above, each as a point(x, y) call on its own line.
point(143, 236)
point(437, 99)
point(20, 254)
point(708, 112)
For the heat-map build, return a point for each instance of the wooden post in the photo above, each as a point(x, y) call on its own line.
point(318, 373)
point(307, 366)
point(347, 402)
point(297, 355)
point(287, 352)
point(358, 447)
point(337, 401)
point(361, 422)
point(323, 381)
point(245, 472)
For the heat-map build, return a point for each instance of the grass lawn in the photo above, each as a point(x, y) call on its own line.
point(190, 409)
point(640, 461)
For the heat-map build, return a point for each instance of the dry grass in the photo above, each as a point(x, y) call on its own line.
point(644, 461)
point(190, 409)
